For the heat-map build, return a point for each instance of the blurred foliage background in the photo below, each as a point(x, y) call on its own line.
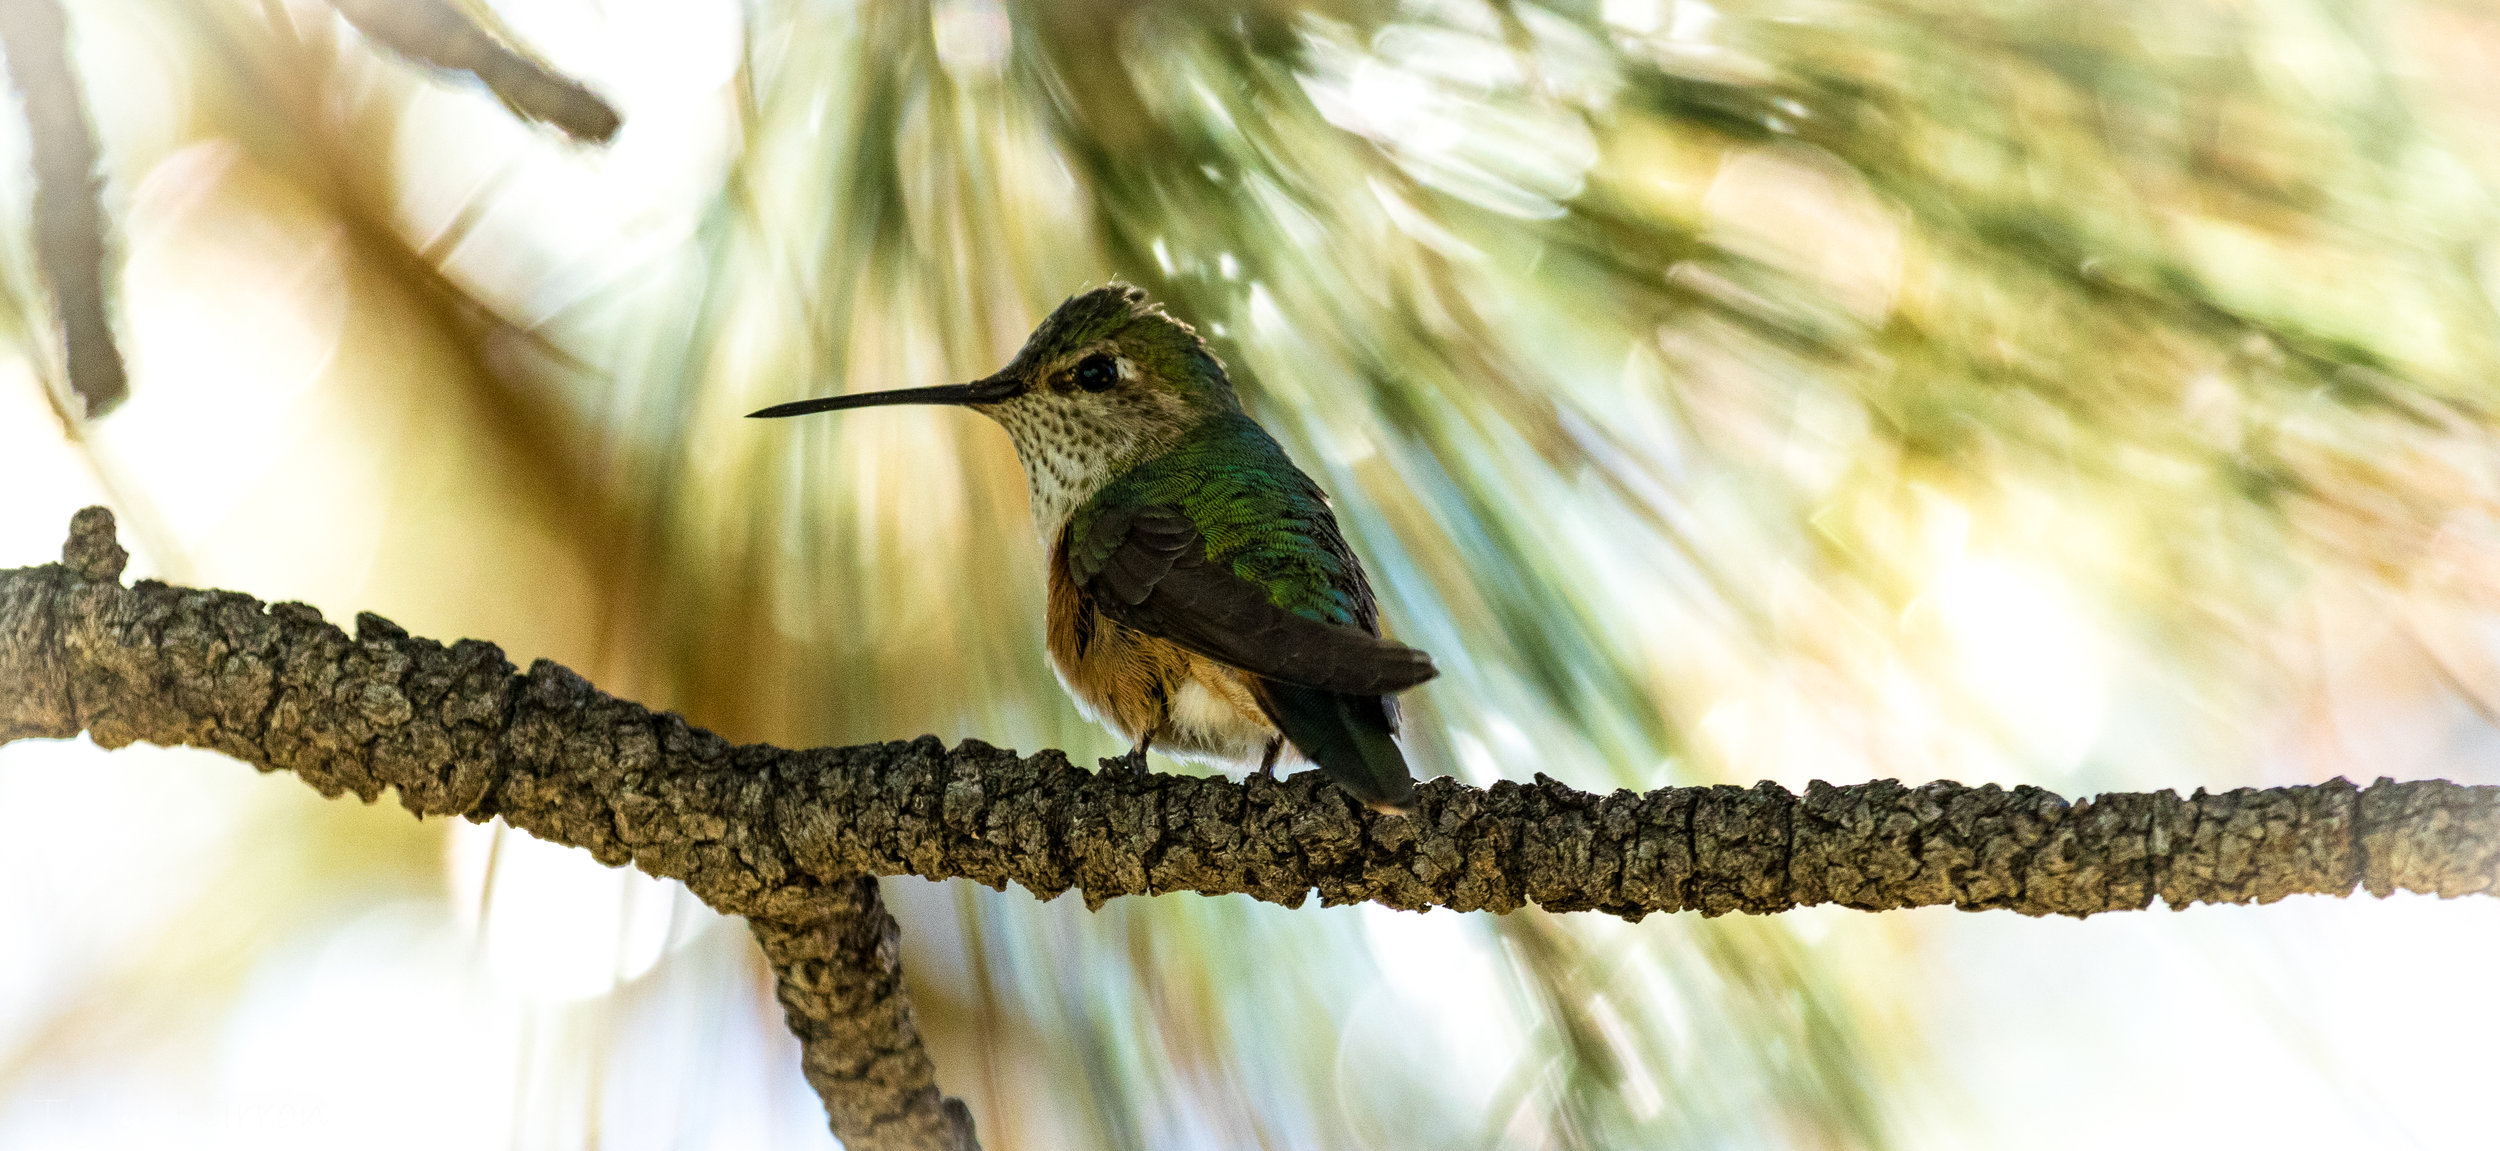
point(2092, 396)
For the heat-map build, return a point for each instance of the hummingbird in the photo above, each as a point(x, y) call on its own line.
point(1201, 600)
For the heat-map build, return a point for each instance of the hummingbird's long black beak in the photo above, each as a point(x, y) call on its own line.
point(987, 391)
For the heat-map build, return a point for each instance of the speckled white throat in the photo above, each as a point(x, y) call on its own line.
point(1072, 443)
point(1066, 457)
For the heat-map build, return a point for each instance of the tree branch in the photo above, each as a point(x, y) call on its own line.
point(781, 836)
point(840, 979)
point(758, 830)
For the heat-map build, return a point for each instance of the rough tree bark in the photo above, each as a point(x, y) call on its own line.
point(838, 970)
point(786, 837)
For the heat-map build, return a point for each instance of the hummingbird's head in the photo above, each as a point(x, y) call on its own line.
point(1108, 378)
point(1111, 358)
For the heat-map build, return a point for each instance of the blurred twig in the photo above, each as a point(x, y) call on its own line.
point(69, 217)
point(441, 33)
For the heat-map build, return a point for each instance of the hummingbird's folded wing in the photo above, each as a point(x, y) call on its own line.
point(1148, 568)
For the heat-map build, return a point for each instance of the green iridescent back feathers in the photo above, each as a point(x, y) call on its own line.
point(1262, 518)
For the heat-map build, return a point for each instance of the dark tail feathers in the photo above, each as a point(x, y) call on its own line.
point(1350, 737)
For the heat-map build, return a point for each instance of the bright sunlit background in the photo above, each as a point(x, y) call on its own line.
point(2091, 396)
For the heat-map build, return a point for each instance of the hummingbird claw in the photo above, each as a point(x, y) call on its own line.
point(1134, 763)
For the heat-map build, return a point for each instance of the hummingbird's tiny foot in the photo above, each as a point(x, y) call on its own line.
point(1134, 763)
point(1267, 762)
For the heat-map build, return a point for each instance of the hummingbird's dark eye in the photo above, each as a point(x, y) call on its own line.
point(1096, 373)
